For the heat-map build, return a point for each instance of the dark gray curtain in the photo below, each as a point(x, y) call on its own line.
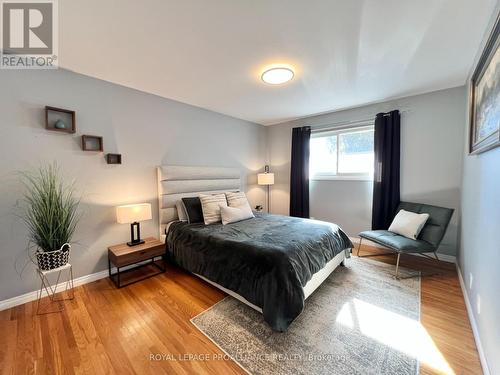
point(387, 163)
point(299, 178)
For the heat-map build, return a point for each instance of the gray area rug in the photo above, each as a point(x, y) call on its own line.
point(354, 323)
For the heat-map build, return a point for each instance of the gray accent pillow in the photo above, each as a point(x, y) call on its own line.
point(181, 211)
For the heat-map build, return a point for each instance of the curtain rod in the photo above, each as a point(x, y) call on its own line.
point(347, 124)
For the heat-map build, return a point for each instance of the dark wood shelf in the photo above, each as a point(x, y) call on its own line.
point(53, 114)
point(114, 158)
point(92, 143)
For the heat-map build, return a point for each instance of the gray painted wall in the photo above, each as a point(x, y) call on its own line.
point(480, 248)
point(147, 130)
point(327, 202)
point(479, 255)
point(431, 162)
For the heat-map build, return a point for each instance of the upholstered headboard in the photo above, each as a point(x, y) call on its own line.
point(176, 182)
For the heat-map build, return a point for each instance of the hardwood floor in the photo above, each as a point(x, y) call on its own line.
point(443, 311)
point(106, 330)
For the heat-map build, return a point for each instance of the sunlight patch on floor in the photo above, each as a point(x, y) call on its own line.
point(394, 330)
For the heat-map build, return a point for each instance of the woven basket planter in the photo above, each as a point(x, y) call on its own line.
point(48, 260)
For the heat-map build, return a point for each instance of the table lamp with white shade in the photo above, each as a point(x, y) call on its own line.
point(267, 179)
point(132, 214)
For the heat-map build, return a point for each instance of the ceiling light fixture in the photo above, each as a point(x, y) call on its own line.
point(277, 75)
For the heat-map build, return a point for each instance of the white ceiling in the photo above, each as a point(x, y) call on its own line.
point(210, 53)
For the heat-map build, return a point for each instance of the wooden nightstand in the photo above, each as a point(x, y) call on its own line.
point(123, 255)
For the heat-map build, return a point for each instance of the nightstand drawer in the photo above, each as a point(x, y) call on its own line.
point(123, 255)
point(138, 256)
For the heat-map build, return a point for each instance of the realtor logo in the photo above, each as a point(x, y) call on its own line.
point(29, 34)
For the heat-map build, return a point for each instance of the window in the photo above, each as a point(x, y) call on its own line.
point(342, 154)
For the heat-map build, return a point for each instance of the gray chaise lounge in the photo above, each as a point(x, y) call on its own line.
point(428, 240)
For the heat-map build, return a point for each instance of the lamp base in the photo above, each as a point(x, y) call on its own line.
point(135, 243)
point(135, 239)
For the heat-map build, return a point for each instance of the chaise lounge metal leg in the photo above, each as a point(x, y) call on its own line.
point(435, 254)
point(359, 247)
point(397, 266)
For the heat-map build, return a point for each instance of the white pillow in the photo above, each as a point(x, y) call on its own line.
point(210, 205)
point(408, 224)
point(234, 214)
point(238, 199)
point(181, 211)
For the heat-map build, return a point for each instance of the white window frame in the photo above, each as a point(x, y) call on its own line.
point(342, 176)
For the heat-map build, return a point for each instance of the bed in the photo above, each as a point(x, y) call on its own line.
point(270, 262)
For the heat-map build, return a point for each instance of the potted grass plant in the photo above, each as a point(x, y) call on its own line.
point(50, 214)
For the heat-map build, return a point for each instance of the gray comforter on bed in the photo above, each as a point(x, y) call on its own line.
point(267, 259)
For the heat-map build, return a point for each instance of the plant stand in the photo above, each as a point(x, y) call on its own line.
point(51, 290)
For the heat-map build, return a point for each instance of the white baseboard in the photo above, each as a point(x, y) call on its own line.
point(444, 257)
point(475, 330)
point(31, 296)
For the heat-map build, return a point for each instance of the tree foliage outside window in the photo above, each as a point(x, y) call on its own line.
point(351, 143)
point(331, 143)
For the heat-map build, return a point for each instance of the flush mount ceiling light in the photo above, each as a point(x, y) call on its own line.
point(277, 75)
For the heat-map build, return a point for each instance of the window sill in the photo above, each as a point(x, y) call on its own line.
point(342, 178)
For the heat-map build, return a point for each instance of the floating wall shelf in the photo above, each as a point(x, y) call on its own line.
point(92, 143)
point(114, 158)
point(60, 120)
